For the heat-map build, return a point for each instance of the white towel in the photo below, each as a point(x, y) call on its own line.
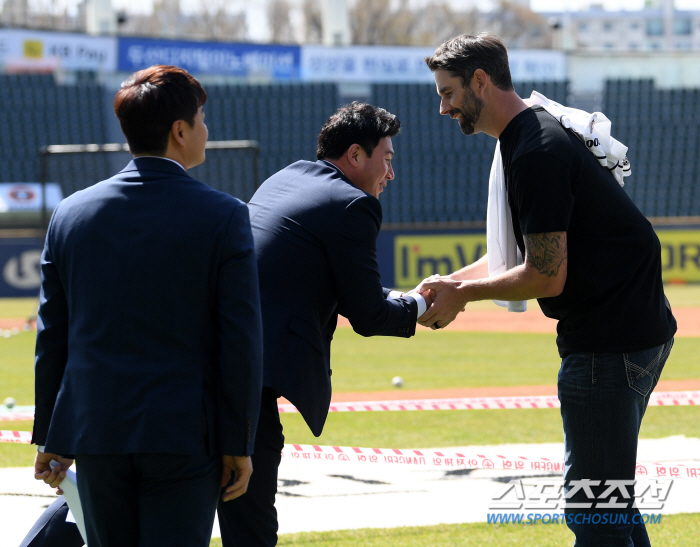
point(501, 247)
point(594, 130)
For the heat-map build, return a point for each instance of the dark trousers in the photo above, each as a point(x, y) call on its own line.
point(251, 520)
point(52, 530)
point(148, 500)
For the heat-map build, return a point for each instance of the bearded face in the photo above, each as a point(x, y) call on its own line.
point(469, 112)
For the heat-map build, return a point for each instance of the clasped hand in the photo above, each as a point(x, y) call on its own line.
point(446, 301)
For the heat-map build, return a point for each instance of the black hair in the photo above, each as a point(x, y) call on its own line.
point(355, 123)
point(463, 55)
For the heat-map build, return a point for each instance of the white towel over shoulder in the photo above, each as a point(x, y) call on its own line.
point(594, 131)
point(501, 247)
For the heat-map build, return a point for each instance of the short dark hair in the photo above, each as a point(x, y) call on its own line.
point(151, 100)
point(355, 123)
point(463, 55)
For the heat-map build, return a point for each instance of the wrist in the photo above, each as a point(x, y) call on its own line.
point(464, 290)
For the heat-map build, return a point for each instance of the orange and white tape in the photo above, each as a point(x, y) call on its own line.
point(458, 460)
point(15, 437)
point(665, 398)
point(668, 398)
point(441, 459)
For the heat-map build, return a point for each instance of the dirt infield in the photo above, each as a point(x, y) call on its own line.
point(499, 320)
point(497, 391)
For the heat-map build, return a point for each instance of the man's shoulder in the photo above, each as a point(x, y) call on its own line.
point(539, 137)
point(174, 187)
point(314, 182)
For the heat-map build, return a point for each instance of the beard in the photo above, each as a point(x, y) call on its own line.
point(470, 111)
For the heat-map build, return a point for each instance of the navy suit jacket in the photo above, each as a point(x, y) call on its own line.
point(316, 242)
point(149, 335)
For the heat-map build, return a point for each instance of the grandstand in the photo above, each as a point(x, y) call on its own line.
point(441, 176)
point(35, 111)
point(660, 127)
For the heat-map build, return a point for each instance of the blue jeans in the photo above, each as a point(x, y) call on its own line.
point(603, 399)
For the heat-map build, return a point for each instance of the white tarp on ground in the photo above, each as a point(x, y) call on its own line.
point(320, 495)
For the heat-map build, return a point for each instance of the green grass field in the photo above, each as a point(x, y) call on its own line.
point(673, 531)
point(430, 360)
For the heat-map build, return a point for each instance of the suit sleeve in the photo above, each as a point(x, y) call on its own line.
point(51, 353)
point(353, 258)
point(240, 337)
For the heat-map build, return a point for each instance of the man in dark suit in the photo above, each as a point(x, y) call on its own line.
point(315, 226)
point(149, 339)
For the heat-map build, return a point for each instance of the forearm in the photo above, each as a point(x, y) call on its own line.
point(475, 270)
point(519, 283)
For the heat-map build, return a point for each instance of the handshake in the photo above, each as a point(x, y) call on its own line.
point(444, 299)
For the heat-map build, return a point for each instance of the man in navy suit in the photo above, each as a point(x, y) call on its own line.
point(149, 339)
point(315, 226)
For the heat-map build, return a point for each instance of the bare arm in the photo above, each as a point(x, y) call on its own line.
point(475, 270)
point(542, 275)
point(547, 253)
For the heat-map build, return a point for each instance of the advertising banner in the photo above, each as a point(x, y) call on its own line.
point(419, 256)
point(680, 255)
point(537, 64)
point(19, 267)
point(406, 259)
point(26, 196)
point(365, 64)
point(275, 62)
point(405, 64)
point(27, 49)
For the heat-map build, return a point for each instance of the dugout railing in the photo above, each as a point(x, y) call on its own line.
point(231, 166)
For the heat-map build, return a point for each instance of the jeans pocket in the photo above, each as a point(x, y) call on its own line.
point(644, 367)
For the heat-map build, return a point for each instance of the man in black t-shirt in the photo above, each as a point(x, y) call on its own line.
point(593, 262)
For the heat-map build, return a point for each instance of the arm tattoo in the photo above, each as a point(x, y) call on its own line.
point(546, 252)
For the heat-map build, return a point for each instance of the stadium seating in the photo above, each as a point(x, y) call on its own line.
point(441, 176)
point(283, 119)
point(35, 111)
point(660, 128)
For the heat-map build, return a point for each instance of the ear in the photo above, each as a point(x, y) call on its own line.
point(177, 132)
point(354, 154)
point(481, 79)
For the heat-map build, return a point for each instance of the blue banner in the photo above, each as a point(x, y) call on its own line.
point(19, 267)
point(275, 62)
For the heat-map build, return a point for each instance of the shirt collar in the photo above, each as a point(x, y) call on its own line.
point(164, 158)
point(335, 167)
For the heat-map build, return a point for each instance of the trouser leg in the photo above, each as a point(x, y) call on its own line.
point(177, 499)
point(603, 400)
point(109, 498)
point(251, 520)
point(148, 500)
point(52, 530)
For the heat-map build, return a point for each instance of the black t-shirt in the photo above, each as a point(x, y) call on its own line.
point(613, 299)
